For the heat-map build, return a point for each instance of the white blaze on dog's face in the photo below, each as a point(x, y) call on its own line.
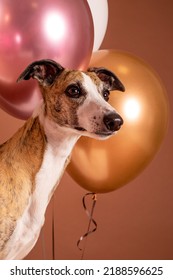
point(77, 100)
point(92, 113)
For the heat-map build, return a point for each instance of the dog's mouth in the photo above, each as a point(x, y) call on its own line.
point(79, 128)
point(104, 133)
point(99, 134)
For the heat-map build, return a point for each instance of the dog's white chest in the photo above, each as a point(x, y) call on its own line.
point(29, 225)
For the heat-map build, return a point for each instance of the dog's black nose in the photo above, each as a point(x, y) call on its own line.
point(113, 121)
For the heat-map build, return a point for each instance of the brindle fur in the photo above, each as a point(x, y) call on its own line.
point(20, 160)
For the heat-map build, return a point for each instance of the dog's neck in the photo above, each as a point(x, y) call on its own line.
point(59, 144)
point(60, 139)
point(55, 159)
point(55, 144)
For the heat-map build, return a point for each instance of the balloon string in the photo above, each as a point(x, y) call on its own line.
point(91, 220)
point(53, 236)
point(43, 245)
point(53, 230)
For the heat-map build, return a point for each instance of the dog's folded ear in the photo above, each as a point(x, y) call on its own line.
point(108, 77)
point(45, 71)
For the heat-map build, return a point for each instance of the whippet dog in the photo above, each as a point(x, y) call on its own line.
point(32, 162)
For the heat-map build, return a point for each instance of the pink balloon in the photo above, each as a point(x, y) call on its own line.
point(61, 30)
point(18, 100)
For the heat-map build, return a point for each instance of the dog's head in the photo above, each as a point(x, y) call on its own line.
point(77, 100)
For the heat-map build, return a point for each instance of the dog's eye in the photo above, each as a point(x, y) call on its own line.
point(73, 91)
point(106, 94)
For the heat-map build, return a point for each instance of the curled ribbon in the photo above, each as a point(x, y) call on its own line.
point(91, 220)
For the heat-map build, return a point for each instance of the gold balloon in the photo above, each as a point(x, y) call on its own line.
point(103, 166)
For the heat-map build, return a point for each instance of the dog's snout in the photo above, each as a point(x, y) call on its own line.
point(113, 121)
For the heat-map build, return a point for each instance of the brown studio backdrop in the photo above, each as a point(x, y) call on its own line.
point(135, 221)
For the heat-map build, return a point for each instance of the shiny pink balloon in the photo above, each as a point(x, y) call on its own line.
point(31, 30)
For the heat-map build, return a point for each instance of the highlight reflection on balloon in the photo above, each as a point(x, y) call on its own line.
point(33, 30)
point(103, 166)
point(132, 109)
point(54, 27)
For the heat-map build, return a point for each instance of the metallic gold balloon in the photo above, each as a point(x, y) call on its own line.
point(103, 166)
